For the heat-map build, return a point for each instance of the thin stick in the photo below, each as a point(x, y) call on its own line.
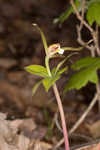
point(79, 27)
point(93, 33)
point(81, 119)
point(98, 90)
point(62, 116)
point(96, 40)
point(83, 13)
point(80, 17)
point(79, 39)
point(84, 114)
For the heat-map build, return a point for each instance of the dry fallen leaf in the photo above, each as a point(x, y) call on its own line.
point(39, 145)
point(94, 129)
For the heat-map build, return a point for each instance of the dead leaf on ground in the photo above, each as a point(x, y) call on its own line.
point(23, 124)
point(40, 145)
point(19, 96)
point(11, 140)
point(94, 129)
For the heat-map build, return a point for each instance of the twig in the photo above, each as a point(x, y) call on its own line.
point(81, 119)
point(93, 33)
point(79, 27)
point(73, 134)
point(80, 17)
point(57, 123)
point(84, 137)
point(96, 40)
point(84, 114)
point(81, 42)
point(83, 12)
point(98, 90)
point(83, 22)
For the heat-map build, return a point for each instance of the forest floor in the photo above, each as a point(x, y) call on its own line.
point(32, 123)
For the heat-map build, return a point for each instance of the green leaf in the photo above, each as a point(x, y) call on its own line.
point(67, 13)
point(89, 2)
point(48, 82)
point(60, 64)
point(36, 86)
point(64, 15)
point(94, 78)
point(80, 79)
point(43, 38)
point(87, 73)
point(85, 62)
point(93, 13)
point(59, 72)
point(62, 70)
point(37, 70)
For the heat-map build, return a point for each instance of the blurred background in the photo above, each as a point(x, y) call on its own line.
point(21, 45)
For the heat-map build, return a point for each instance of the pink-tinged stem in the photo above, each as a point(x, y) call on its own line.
point(62, 116)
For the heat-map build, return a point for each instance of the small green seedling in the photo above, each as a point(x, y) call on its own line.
point(49, 77)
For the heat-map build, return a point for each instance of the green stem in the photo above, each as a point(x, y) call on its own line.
point(47, 65)
point(56, 92)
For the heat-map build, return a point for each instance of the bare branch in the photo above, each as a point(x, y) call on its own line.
point(81, 42)
point(80, 17)
point(96, 40)
point(79, 27)
point(83, 12)
point(98, 90)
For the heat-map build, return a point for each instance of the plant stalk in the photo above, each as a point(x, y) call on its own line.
point(62, 116)
point(56, 92)
point(47, 65)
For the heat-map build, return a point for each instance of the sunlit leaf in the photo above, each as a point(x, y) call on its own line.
point(48, 82)
point(81, 78)
point(37, 70)
point(88, 72)
point(85, 62)
point(94, 78)
point(93, 13)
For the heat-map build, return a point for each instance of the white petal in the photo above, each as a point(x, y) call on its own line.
point(61, 51)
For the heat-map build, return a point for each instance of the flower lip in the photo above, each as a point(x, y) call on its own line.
point(55, 48)
point(60, 51)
